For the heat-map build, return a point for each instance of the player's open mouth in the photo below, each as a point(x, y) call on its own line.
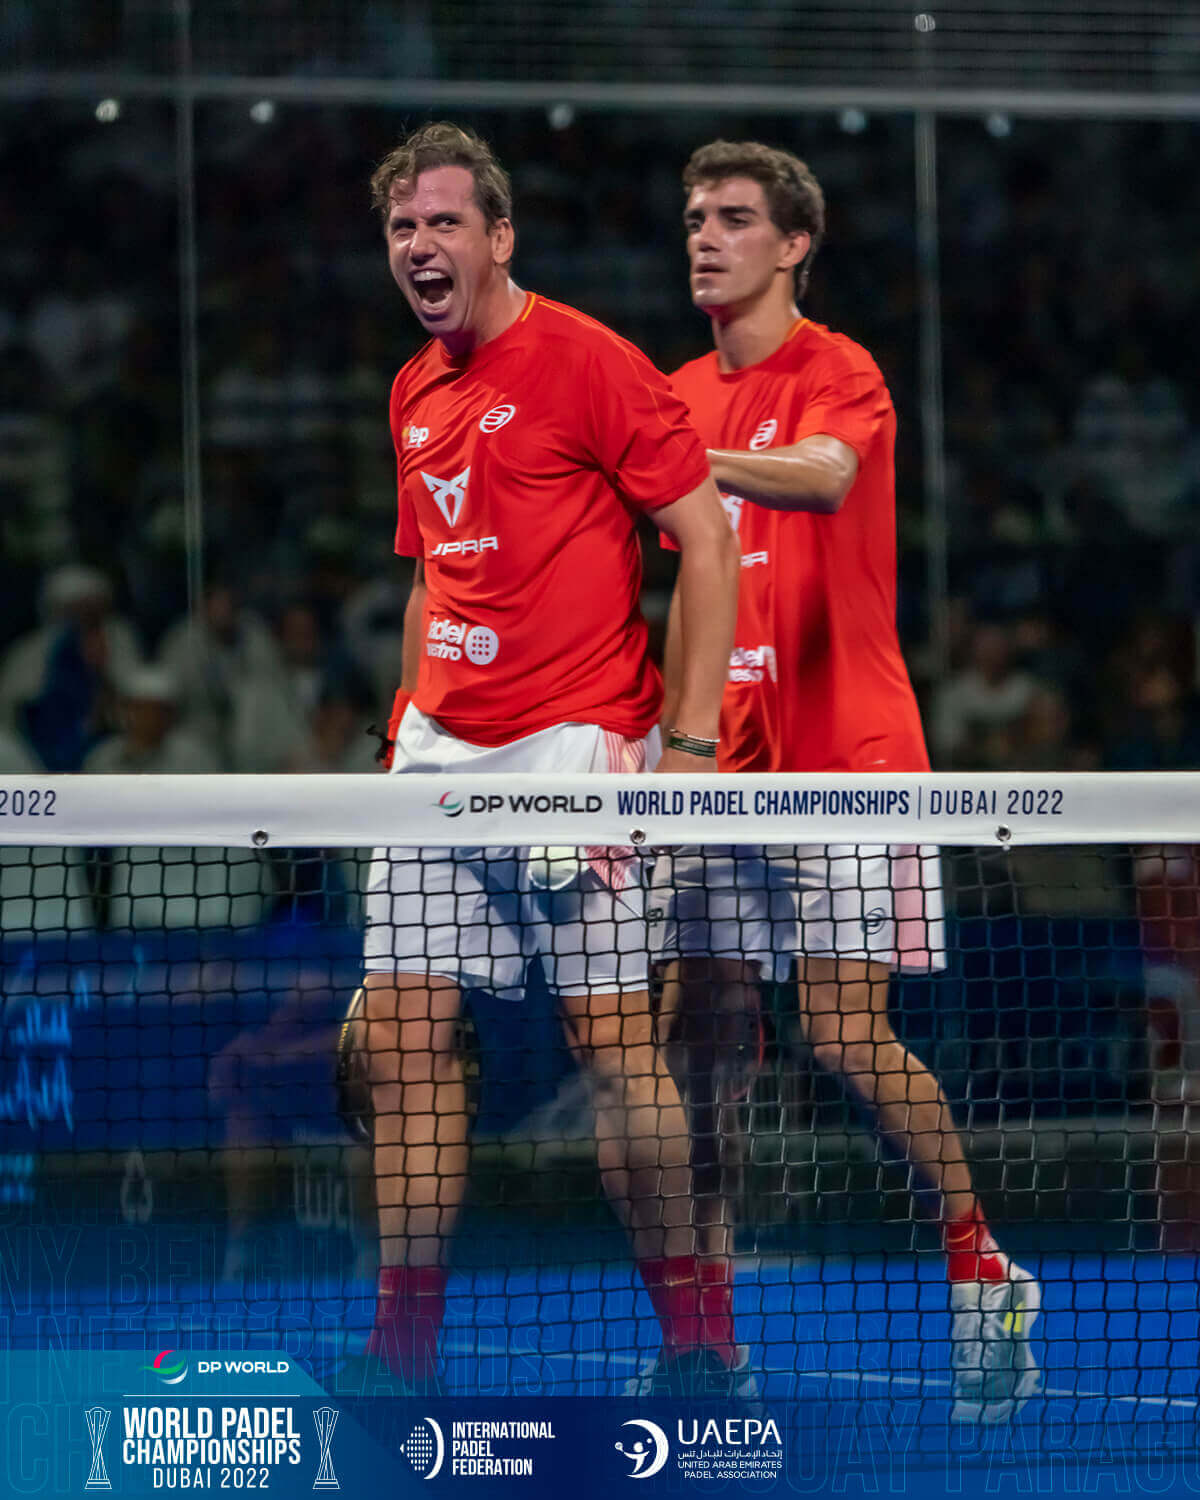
point(433, 289)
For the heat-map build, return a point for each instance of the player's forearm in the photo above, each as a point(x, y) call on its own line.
point(706, 603)
point(672, 663)
point(806, 477)
point(414, 622)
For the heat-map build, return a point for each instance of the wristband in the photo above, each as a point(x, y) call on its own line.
point(387, 742)
point(692, 744)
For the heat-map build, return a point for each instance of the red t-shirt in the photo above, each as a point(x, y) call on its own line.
point(521, 470)
point(816, 679)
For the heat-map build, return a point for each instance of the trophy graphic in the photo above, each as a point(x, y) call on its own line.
point(97, 1418)
point(325, 1420)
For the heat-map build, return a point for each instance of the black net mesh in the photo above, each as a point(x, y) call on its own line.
point(181, 1157)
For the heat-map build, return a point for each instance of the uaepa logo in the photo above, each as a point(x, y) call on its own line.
point(425, 1448)
point(646, 1454)
point(170, 1367)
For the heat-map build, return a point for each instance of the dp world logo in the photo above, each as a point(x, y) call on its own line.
point(425, 1448)
point(645, 1456)
point(450, 805)
point(169, 1366)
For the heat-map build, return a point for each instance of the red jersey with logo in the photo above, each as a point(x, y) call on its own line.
point(522, 468)
point(816, 679)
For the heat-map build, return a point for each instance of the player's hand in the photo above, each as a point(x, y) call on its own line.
point(681, 763)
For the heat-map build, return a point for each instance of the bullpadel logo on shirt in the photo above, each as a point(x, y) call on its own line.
point(493, 420)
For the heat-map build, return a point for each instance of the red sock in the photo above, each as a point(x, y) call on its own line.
point(409, 1309)
point(694, 1302)
point(971, 1252)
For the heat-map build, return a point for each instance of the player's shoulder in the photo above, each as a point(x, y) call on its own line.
point(815, 344)
point(577, 337)
point(424, 366)
point(696, 372)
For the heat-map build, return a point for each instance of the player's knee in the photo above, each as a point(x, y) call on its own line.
point(617, 1075)
point(429, 1051)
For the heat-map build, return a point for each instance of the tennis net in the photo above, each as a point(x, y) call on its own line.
point(187, 1127)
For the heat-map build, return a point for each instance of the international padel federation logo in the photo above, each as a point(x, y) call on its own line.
point(170, 1366)
point(449, 804)
point(425, 1448)
point(647, 1458)
point(493, 420)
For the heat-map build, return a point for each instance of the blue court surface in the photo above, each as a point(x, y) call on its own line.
point(855, 1351)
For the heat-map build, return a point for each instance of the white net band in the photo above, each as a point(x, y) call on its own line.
point(463, 811)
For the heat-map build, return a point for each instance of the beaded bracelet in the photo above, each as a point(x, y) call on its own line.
point(693, 744)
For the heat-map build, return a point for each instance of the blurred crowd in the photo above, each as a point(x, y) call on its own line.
point(1072, 438)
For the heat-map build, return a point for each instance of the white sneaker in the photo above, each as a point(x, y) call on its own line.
point(743, 1379)
point(994, 1368)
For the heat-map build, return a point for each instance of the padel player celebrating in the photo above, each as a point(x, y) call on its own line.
point(800, 430)
point(528, 439)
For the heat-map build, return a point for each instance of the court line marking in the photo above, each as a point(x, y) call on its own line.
point(872, 1377)
point(933, 1380)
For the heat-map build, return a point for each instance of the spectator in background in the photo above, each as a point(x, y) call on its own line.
point(58, 685)
point(272, 706)
point(35, 488)
point(150, 739)
point(1133, 440)
point(336, 739)
point(16, 758)
point(212, 660)
point(79, 328)
point(977, 708)
point(1160, 727)
point(1043, 738)
point(372, 627)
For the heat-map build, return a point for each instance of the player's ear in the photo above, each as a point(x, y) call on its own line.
point(504, 241)
point(795, 248)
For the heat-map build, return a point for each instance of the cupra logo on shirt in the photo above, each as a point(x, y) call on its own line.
point(449, 495)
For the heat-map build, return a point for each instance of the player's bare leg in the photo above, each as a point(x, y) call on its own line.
point(642, 1138)
point(419, 1099)
point(644, 1151)
point(843, 1016)
point(844, 1020)
point(708, 1026)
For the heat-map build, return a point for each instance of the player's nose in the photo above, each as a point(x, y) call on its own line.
point(706, 236)
point(420, 246)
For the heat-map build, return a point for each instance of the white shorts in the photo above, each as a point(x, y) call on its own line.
point(768, 903)
point(479, 916)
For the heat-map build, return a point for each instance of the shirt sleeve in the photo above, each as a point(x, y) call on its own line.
point(847, 400)
point(640, 432)
point(408, 534)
